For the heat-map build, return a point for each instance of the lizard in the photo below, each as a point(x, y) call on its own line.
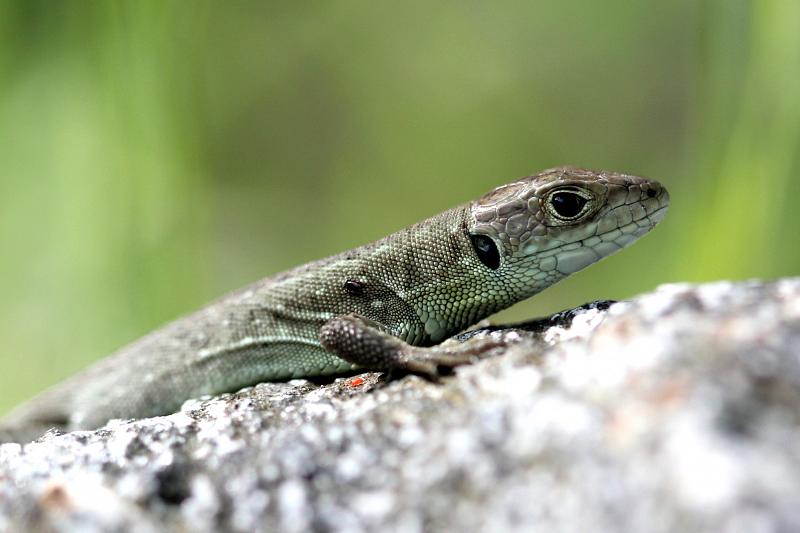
point(380, 306)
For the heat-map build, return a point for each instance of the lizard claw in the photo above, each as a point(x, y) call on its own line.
point(359, 341)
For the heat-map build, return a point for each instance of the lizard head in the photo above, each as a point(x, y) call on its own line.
point(541, 228)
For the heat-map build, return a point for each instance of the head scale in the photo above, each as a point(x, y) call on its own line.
point(541, 228)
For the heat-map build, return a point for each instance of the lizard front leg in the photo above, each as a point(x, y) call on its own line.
point(365, 342)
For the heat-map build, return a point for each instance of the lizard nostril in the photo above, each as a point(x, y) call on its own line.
point(651, 193)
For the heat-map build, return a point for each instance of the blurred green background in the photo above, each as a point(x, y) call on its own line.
point(156, 154)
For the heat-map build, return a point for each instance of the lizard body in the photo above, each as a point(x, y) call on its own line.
point(366, 307)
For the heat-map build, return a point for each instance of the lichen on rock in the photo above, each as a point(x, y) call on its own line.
point(676, 411)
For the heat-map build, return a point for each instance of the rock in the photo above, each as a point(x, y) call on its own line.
point(676, 411)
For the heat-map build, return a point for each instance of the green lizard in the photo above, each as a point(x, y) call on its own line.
point(374, 307)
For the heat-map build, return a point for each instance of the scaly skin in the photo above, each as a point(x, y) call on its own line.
point(369, 307)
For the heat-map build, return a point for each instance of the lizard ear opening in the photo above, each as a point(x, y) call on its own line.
point(486, 250)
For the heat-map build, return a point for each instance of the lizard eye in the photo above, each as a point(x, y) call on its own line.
point(567, 204)
point(486, 250)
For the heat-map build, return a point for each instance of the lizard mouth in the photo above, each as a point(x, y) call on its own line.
point(658, 214)
point(577, 255)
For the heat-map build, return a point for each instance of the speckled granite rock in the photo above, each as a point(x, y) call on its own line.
point(677, 411)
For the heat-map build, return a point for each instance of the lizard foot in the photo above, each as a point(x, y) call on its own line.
point(363, 342)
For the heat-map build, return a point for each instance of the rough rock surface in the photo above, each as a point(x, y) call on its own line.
point(677, 411)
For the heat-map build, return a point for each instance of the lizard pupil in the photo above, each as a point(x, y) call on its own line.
point(486, 250)
point(567, 204)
